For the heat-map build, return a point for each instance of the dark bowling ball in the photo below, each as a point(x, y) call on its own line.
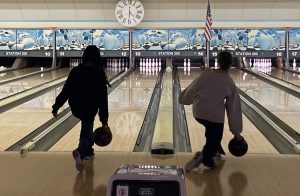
point(237, 148)
point(102, 136)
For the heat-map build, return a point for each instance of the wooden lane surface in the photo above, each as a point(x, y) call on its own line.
point(49, 173)
point(257, 143)
point(27, 83)
point(127, 106)
point(16, 73)
point(283, 105)
point(286, 75)
point(18, 122)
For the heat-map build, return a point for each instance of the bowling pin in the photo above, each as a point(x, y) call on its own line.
point(294, 63)
point(216, 63)
point(144, 63)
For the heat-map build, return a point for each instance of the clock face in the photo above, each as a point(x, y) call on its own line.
point(129, 12)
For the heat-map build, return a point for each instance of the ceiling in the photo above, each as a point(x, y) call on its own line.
point(157, 11)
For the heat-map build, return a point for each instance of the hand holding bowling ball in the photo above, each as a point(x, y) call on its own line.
point(238, 146)
point(102, 136)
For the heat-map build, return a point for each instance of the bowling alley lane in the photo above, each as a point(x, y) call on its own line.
point(127, 106)
point(25, 118)
point(257, 143)
point(284, 75)
point(283, 105)
point(14, 87)
point(19, 72)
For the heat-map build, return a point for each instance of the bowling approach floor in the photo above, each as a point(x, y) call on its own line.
point(53, 173)
point(262, 171)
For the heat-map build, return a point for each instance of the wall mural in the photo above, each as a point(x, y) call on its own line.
point(247, 39)
point(8, 39)
point(294, 41)
point(266, 39)
point(175, 39)
point(149, 39)
point(186, 39)
point(69, 39)
point(111, 39)
point(115, 41)
point(223, 39)
point(32, 39)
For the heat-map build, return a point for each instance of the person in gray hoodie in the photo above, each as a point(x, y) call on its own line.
point(211, 93)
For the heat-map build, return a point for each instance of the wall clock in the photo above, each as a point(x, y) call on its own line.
point(129, 12)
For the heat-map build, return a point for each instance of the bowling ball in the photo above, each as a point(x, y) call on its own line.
point(238, 148)
point(169, 69)
point(102, 136)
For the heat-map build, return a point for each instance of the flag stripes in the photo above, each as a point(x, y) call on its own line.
point(208, 23)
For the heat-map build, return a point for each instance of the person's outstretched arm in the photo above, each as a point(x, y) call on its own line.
point(234, 112)
point(186, 97)
point(63, 96)
point(103, 106)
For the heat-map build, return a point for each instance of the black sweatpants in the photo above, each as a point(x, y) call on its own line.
point(213, 134)
point(86, 140)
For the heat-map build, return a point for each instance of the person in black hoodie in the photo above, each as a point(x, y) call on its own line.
point(86, 92)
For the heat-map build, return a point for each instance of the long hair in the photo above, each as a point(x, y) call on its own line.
point(92, 54)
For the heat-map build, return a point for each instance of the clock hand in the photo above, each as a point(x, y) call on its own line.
point(129, 12)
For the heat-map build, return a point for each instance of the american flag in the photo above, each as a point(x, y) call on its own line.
point(208, 23)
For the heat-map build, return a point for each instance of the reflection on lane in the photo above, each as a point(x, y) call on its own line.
point(257, 143)
point(286, 76)
point(23, 119)
point(283, 105)
point(127, 107)
point(30, 82)
point(17, 73)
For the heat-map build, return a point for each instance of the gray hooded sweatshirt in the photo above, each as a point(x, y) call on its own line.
point(211, 93)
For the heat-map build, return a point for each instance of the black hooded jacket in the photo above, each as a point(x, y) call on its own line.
point(86, 92)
